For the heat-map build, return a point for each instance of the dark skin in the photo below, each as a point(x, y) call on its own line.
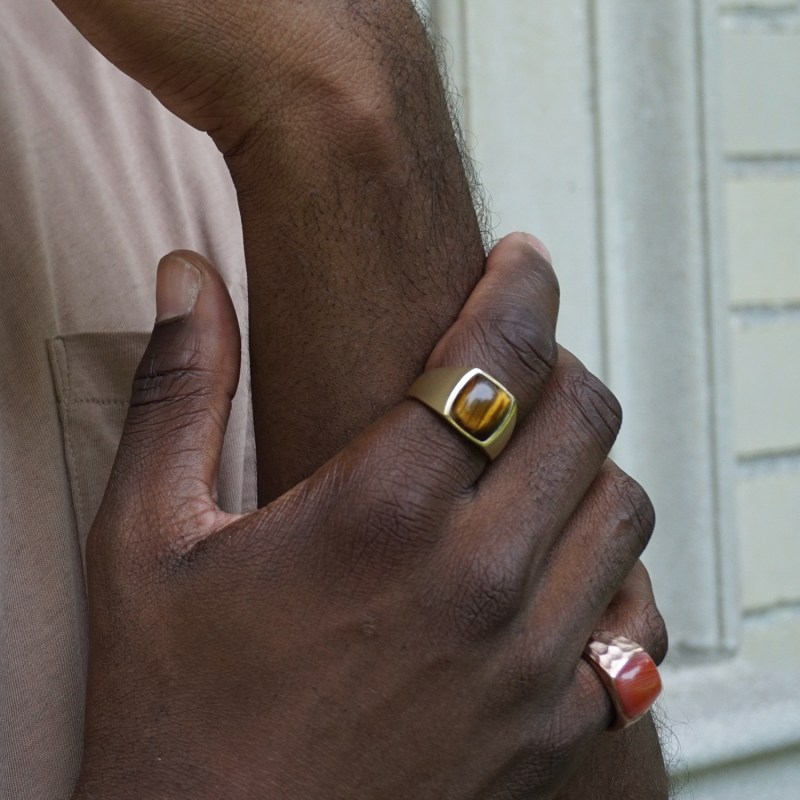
point(361, 239)
point(393, 626)
point(355, 210)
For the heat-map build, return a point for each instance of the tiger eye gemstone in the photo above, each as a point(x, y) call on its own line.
point(480, 408)
point(638, 685)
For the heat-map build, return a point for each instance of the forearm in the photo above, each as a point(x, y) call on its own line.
point(361, 237)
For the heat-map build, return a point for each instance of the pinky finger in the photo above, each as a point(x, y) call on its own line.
point(632, 615)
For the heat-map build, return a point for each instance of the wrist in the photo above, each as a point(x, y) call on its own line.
point(336, 76)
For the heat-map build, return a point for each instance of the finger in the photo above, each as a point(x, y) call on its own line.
point(633, 613)
point(593, 566)
point(168, 459)
point(546, 470)
point(539, 660)
point(393, 485)
point(507, 326)
point(594, 554)
point(507, 329)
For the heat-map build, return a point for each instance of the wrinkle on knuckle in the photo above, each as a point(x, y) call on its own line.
point(657, 635)
point(636, 508)
point(159, 383)
point(393, 521)
point(426, 456)
point(515, 339)
point(149, 428)
point(534, 348)
point(488, 597)
point(175, 415)
point(597, 406)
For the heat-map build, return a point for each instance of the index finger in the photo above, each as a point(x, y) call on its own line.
point(506, 329)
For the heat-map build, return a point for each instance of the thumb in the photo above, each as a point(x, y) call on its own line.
point(167, 463)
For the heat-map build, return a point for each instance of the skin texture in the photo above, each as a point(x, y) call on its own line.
point(362, 243)
point(393, 626)
point(361, 238)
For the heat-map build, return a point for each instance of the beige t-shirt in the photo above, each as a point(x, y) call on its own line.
point(98, 181)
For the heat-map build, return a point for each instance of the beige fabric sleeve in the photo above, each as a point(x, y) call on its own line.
point(98, 182)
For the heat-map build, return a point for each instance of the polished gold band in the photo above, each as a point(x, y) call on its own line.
point(480, 408)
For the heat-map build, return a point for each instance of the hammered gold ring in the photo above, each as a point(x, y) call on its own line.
point(629, 675)
point(480, 408)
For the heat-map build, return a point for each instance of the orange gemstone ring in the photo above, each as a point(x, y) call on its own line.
point(628, 673)
point(474, 403)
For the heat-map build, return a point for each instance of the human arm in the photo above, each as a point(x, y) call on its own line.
point(358, 220)
point(361, 238)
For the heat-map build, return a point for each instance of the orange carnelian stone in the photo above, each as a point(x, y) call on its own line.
point(638, 685)
point(480, 408)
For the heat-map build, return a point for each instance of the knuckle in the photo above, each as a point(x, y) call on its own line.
point(656, 635)
point(389, 518)
point(526, 348)
point(488, 597)
point(638, 513)
point(597, 407)
point(161, 382)
point(413, 460)
point(393, 520)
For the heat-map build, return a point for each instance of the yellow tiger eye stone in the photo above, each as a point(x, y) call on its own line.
point(480, 407)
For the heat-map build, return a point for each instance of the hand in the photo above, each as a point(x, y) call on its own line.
point(407, 622)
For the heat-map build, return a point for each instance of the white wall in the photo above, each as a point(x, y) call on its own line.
point(760, 67)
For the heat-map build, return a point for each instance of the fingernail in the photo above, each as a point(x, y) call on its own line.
point(177, 288)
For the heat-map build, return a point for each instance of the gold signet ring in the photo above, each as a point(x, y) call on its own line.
point(475, 404)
